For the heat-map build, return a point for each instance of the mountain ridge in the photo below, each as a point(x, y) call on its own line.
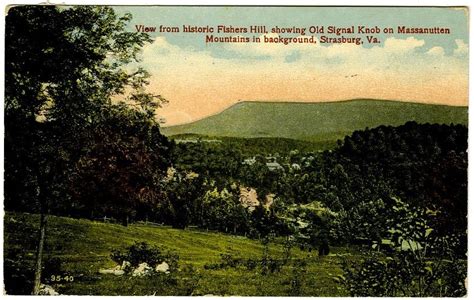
point(316, 121)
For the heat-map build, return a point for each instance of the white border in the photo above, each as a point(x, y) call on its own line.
point(248, 3)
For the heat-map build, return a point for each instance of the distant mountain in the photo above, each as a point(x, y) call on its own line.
point(326, 121)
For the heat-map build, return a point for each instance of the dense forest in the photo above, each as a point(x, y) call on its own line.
point(72, 150)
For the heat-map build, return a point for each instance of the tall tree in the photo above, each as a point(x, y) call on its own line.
point(121, 168)
point(64, 73)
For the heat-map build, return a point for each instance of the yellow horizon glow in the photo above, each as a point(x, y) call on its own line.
point(198, 85)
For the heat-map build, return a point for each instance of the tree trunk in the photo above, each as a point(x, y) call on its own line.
point(39, 254)
point(125, 220)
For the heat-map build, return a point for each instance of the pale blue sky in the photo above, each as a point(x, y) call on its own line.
point(455, 19)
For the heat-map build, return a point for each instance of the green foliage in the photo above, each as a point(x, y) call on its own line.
point(17, 279)
point(220, 163)
point(79, 124)
point(265, 224)
point(183, 191)
point(84, 247)
point(373, 277)
point(297, 278)
point(266, 265)
point(418, 262)
point(71, 64)
point(249, 147)
point(411, 162)
point(120, 172)
point(81, 140)
point(404, 274)
point(142, 252)
point(221, 210)
point(357, 181)
point(66, 78)
point(365, 220)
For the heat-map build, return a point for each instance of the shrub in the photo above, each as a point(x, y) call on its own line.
point(251, 264)
point(370, 278)
point(406, 275)
point(266, 265)
point(419, 262)
point(141, 252)
point(297, 277)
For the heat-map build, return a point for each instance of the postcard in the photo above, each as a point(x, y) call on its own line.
point(316, 151)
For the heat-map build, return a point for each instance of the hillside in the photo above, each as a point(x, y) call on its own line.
point(326, 121)
point(79, 248)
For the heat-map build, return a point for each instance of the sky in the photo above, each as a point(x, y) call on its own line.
point(200, 79)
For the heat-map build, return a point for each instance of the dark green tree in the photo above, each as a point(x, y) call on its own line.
point(182, 192)
point(64, 68)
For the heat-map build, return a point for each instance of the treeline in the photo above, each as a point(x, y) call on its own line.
point(360, 181)
point(424, 165)
point(260, 145)
point(355, 186)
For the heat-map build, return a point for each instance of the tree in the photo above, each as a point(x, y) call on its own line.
point(64, 68)
point(183, 190)
point(120, 173)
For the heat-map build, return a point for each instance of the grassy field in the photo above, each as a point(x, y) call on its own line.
point(83, 247)
point(317, 122)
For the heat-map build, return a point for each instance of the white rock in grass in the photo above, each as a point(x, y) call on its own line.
point(125, 265)
point(163, 268)
point(143, 270)
point(47, 290)
point(106, 271)
point(119, 272)
point(115, 271)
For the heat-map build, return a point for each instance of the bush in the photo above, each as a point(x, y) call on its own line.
point(271, 265)
point(251, 264)
point(266, 265)
point(297, 277)
point(418, 262)
point(405, 275)
point(141, 252)
point(370, 278)
point(18, 275)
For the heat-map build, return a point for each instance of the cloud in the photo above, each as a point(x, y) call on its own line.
point(402, 45)
point(199, 83)
point(332, 53)
point(462, 48)
point(294, 56)
point(436, 51)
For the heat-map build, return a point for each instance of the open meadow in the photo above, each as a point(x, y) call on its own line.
point(79, 248)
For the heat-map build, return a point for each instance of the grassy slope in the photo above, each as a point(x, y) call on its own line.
point(84, 247)
point(316, 121)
